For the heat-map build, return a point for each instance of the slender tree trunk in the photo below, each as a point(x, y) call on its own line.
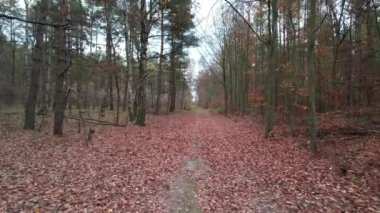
point(109, 84)
point(130, 78)
point(311, 77)
point(225, 87)
point(159, 75)
point(13, 41)
point(91, 27)
point(183, 94)
point(270, 112)
point(126, 37)
point(152, 95)
point(118, 98)
point(141, 93)
point(62, 67)
point(26, 45)
point(13, 80)
point(30, 107)
point(125, 94)
point(173, 89)
point(45, 80)
point(129, 34)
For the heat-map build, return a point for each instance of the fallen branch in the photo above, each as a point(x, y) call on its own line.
point(369, 130)
point(96, 122)
point(92, 121)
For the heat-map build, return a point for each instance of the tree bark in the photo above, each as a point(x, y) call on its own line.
point(109, 82)
point(30, 106)
point(159, 75)
point(118, 98)
point(270, 111)
point(62, 67)
point(26, 45)
point(225, 87)
point(311, 77)
point(141, 93)
point(131, 94)
point(173, 88)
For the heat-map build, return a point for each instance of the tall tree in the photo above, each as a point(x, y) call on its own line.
point(26, 44)
point(145, 24)
point(181, 24)
point(61, 95)
point(108, 10)
point(270, 90)
point(157, 107)
point(30, 106)
point(311, 74)
point(130, 39)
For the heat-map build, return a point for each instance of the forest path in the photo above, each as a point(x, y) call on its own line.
point(206, 162)
point(182, 162)
point(183, 192)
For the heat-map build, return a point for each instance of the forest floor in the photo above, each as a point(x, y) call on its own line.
point(185, 162)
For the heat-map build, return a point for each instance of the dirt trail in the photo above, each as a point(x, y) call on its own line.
point(188, 186)
point(230, 167)
point(183, 191)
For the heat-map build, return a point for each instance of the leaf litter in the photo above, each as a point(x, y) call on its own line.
point(216, 164)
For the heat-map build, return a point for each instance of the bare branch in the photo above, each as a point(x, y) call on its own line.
point(67, 68)
point(34, 22)
point(246, 22)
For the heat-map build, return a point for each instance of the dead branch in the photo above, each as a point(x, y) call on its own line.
point(34, 22)
point(246, 22)
point(369, 130)
point(94, 121)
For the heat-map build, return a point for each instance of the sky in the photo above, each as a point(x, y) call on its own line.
point(205, 13)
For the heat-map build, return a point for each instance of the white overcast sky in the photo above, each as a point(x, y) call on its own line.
point(205, 13)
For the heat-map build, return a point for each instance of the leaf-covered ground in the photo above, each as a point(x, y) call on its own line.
point(185, 162)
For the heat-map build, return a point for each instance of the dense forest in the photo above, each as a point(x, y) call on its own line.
point(290, 60)
point(143, 106)
point(93, 55)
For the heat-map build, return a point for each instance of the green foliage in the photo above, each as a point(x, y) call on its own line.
point(181, 26)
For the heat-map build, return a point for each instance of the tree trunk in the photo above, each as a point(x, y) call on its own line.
point(13, 42)
point(159, 75)
point(141, 93)
point(125, 94)
point(270, 111)
point(311, 77)
point(26, 45)
point(130, 95)
point(45, 87)
point(30, 106)
point(109, 83)
point(183, 94)
point(118, 98)
point(62, 67)
point(126, 37)
point(224, 67)
point(173, 89)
